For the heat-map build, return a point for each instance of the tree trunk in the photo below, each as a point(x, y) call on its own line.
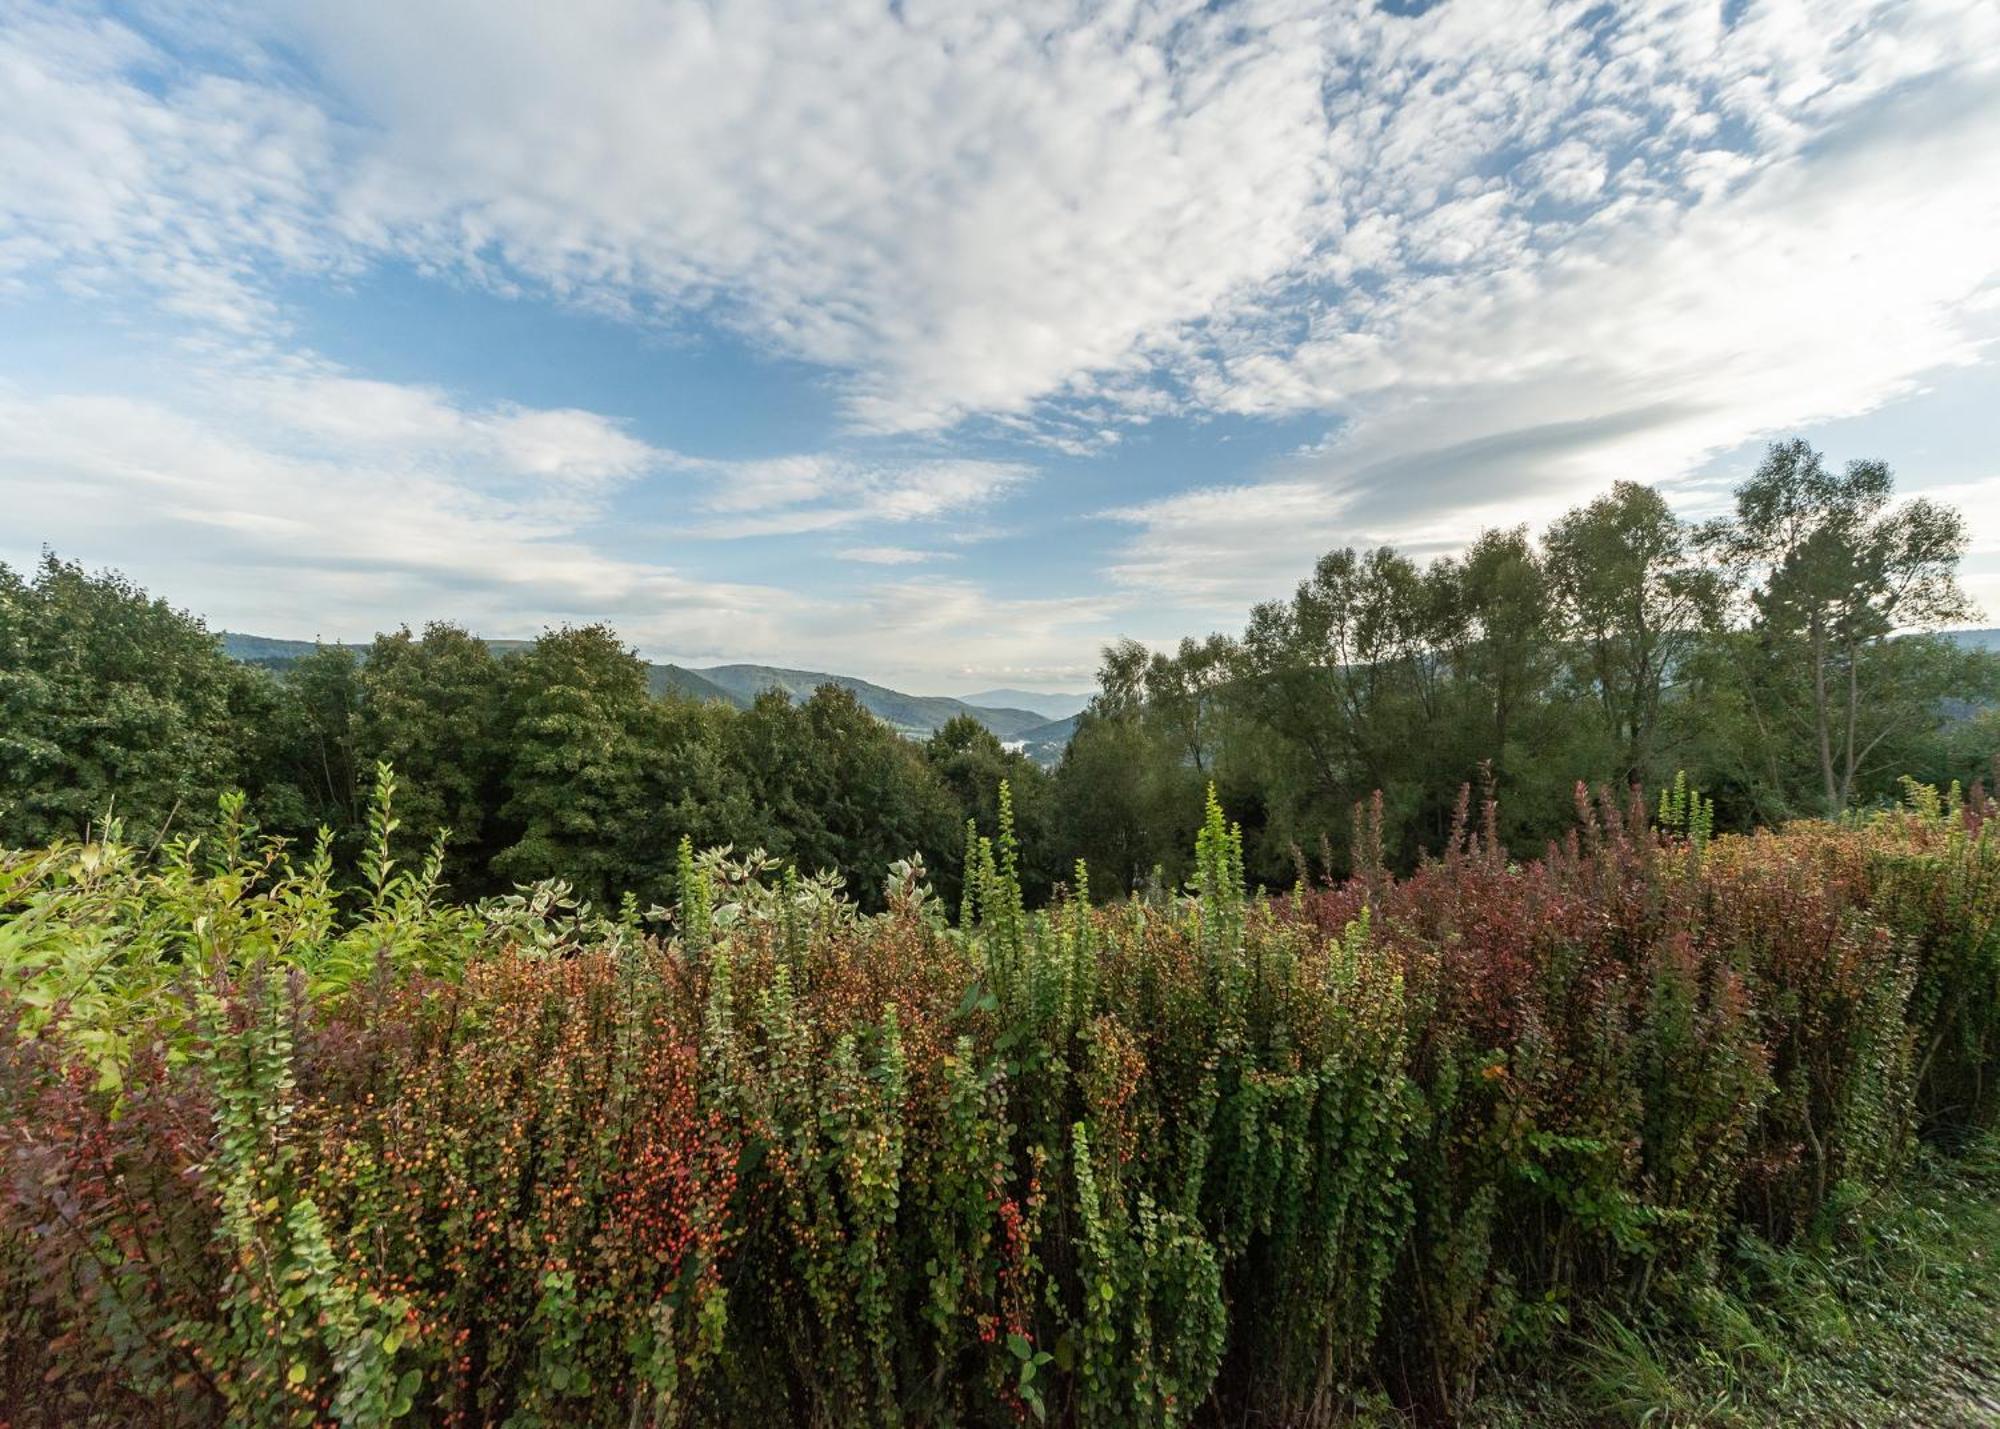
point(1822, 716)
point(1854, 755)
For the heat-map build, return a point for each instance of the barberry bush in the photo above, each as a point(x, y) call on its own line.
point(274, 1151)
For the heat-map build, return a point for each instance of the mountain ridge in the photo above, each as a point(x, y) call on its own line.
point(915, 716)
point(1051, 705)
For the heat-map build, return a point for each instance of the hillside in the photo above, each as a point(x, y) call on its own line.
point(1045, 743)
point(265, 650)
point(916, 716)
point(1059, 705)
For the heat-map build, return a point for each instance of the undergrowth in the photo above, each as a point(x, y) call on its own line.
point(1656, 1107)
point(1891, 1318)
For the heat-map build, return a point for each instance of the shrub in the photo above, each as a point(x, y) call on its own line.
point(273, 1151)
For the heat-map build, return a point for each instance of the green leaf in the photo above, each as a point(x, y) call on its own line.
point(1018, 1345)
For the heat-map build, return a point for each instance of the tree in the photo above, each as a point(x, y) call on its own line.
point(298, 731)
point(1635, 599)
point(1507, 648)
point(574, 715)
point(840, 790)
point(431, 707)
point(971, 762)
point(1831, 572)
point(881, 800)
point(1183, 697)
point(698, 788)
point(1355, 674)
point(1101, 800)
point(111, 702)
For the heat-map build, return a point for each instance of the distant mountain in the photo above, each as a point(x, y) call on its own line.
point(914, 715)
point(678, 680)
point(275, 654)
point(917, 716)
point(1976, 639)
point(264, 650)
point(1048, 706)
point(1045, 743)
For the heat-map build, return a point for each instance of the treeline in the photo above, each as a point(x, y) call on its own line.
point(1777, 655)
point(555, 762)
point(1770, 655)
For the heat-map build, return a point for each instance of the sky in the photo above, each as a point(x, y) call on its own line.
point(941, 343)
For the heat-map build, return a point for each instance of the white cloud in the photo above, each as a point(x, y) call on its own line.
point(1815, 284)
point(1512, 248)
point(885, 555)
point(963, 210)
point(262, 503)
point(404, 423)
point(1224, 547)
point(822, 492)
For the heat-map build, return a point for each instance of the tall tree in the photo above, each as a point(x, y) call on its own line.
point(971, 762)
point(574, 715)
point(431, 706)
point(111, 702)
point(842, 790)
point(1354, 673)
point(1831, 571)
point(1506, 653)
point(1182, 694)
point(1636, 599)
point(1101, 799)
point(299, 739)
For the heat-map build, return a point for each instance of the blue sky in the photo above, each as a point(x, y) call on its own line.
point(943, 343)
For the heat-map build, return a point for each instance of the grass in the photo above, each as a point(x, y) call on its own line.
point(1892, 1319)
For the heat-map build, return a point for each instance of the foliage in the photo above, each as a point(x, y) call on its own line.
point(1830, 572)
point(1892, 1320)
point(110, 702)
point(279, 1148)
point(1777, 656)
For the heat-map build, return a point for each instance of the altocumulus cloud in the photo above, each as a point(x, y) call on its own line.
point(1506, 250)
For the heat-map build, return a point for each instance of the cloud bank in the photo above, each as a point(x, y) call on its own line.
point(1504, 250)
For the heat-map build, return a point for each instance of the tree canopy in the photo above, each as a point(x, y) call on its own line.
point(1781, 656)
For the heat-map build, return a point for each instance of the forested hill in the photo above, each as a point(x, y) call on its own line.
point(1051, 707)
point(907, 714)
point(915, 715)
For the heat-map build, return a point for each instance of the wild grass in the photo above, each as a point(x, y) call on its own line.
point(1891, 1318)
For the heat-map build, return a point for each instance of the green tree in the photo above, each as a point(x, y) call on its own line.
point(574, 716)
point(882, 800)
point(1507, 650)
point(838, 790)
point(1101, 803)
point(1831, 572)
point(298, 731)
point(432, 707)
point(971, 763)
point(698, 788)
point(111, 702)
point(1184, 697)
point(1636, 599)
point(1355, 674)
